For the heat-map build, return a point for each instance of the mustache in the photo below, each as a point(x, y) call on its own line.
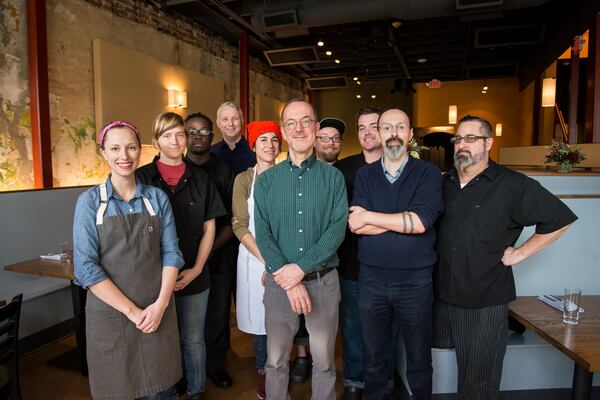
point(388, 142)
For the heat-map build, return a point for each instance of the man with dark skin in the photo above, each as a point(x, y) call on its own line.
point(224, 253)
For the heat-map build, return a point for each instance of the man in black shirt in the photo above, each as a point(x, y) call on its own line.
point(486, 208)
point(224, 253)
point(233, 148)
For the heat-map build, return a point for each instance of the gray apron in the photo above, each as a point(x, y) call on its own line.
point(123, 361)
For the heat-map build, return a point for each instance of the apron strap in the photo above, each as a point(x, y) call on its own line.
point(103, 204)
point(149, 206)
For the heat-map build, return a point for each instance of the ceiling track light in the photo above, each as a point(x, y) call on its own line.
point(320, 43)
point(358, 96)
point(337, 60)
point(328, 52)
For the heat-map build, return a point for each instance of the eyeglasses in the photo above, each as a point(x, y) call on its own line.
point(291, 124)
point(199, 132)
point(327, 139)
point(467, 138)
point(389, 128)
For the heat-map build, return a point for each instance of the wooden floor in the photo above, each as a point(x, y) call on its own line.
point(42, 381)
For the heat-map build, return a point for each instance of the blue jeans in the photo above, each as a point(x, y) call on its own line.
point(259, 342)
point(411, 304)
point(352, 341)
point(191, 314)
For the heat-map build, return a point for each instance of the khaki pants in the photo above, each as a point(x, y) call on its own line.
point(282, 324)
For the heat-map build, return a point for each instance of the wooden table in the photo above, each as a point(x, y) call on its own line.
point(75, 359)
point(579, 342)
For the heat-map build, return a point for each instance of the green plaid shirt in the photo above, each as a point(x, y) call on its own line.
point(300, 215)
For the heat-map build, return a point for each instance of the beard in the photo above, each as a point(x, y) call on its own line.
point(464, 159)
point(394, 151)
point(328, 155)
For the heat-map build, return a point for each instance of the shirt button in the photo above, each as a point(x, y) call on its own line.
point(301, 249)
point(300, 177)
point(308, 169)
point(131, 210)
point(300, 230)
point(300, 194)
point(299, 212)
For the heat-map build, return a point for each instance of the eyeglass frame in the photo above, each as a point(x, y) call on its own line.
point(304, 123)
point(327, 139)
point(198, 132)
point(393, 128)
point(471, 139)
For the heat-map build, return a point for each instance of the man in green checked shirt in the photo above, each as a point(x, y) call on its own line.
point(301, 210)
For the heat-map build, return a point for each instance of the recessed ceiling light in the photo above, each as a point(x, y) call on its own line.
point(328, 52)
point(422, 60)
point(485, 87)
point(373, 96)
point(483, 91)
point(337, 61)
point(358, 82)
point(358, 96)
point(320, 43)
point(355, 78)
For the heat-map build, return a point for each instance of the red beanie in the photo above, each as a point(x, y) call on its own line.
point(257, 128)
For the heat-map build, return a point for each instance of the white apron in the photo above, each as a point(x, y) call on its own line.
point(250, 311)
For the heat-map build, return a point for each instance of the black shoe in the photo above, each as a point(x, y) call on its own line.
point(220, 378)
point(301, 370)
point(351, 393)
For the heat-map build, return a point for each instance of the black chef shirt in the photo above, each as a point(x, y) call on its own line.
point(480, 221)
point(194, 200)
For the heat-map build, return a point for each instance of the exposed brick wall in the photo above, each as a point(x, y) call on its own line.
point(149, 13)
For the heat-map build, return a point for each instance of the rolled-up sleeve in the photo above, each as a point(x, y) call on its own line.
point(169, 248)
point(86, 241)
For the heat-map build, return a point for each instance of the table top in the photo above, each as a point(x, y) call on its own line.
point(37, 266)
point(579, 342)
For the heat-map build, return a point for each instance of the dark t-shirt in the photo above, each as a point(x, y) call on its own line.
point(480, 221)
point(348, 250)
point(239, 159)
point(225, 258)
point(194, 200)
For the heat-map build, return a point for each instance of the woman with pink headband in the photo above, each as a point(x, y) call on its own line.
point(126, 254)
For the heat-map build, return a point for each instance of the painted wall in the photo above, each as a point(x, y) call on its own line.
point(71, 27)
point(16, 170)
point(343, 104)
point(502, 103)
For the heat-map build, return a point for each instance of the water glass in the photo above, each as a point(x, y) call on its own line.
point(571, 301)
point(66, 252)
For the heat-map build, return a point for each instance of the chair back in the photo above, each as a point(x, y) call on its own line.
point(9, 356)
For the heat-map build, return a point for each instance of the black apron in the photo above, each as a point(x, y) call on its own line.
point(123, 361)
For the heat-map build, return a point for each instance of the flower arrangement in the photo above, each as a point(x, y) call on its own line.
point(414, 149)
point(564, 155)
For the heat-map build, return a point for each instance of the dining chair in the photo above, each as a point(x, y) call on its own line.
point(9, 355)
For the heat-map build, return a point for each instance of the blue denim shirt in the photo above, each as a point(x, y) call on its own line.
point(86, 240)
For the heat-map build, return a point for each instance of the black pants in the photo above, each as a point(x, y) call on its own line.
point(216, 331)
point(479, 336)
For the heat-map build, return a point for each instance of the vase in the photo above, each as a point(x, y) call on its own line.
point(565, 167)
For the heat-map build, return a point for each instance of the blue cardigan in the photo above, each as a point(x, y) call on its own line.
point(392, 256)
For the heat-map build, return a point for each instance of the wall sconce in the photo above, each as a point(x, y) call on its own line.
point(176, 98)
point(499, 129)
point(548, 92)
point(452, 114)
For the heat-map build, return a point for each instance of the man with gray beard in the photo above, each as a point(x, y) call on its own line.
point(394, 206)
point(486, 208)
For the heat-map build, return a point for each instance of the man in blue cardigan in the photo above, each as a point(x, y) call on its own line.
point(395, 204)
